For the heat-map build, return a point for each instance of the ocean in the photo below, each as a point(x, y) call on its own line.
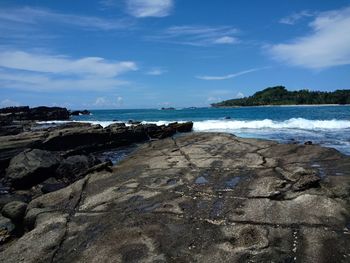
point(325, 125)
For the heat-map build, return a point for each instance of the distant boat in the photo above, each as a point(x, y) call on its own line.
point(170, 108)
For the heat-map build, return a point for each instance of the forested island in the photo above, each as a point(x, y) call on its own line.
point(279, 95)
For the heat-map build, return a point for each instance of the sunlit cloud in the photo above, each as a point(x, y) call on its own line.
point(149, 8)
point(327, 45)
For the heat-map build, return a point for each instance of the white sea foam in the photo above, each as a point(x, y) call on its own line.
point(227, 125)
point(294, 123)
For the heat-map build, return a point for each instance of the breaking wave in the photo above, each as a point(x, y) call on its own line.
point(294, 123)
point(226, 125)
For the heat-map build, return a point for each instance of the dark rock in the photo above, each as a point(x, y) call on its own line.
point(74, 167)
point(10, 128)
point(227, 118)
point(13, 197)
point(51, 185)
point(14, 210)
point(39, 113)
point(14, 109)
point(308, 143)
point(31, 167)
point(48, 188)
point(306, 181)
point(49, 113)
point(100, 167)
point(182, 127)
point(6, 228)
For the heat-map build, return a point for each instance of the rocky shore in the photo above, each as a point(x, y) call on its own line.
point(196, 197)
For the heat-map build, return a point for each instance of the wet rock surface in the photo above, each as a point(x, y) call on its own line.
point(197, 198)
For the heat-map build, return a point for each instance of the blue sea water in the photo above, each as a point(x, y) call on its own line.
point(325, 125)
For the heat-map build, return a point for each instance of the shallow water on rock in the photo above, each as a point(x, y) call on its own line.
point(201, 180)
point(116, 155)
point(231, 183)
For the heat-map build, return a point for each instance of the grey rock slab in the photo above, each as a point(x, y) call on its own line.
point(149, 208)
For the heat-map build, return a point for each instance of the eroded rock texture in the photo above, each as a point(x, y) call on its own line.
point(198, 198)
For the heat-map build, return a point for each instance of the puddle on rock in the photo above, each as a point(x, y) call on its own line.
point(148, 207)
point(171, 182)
point(217, 208)
point(201, 180)
point(231, 183)
point(116, 155)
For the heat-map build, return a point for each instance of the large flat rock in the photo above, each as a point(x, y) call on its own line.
point(202, 197)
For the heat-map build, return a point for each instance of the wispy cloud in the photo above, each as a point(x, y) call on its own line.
point(198, 35)
point(103, 102)
point(230, 76)
point(328, 45)
point(226, 40)
point(156, 72)
point(296, 17)
point(8, 103)
point(149, 8)
point(59, 64)
point(38, 72)
point(37, 16)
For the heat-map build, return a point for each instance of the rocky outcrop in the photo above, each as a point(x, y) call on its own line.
point(197, 198)
point(74, 167)
point(14, 210)
point(36, 114)
point(31, 167)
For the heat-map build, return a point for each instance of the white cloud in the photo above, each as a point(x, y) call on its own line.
point(38, 72)
point(156, 72)
point(149, 8)
point(37, 16)
point(197, 35)
point(226, 40)
point(214, 99)
point(328, 45)
point(240, 95)
point(296, 17)
point(8, 103)
point(229, 76)
point(59, 64)
point(103, 102)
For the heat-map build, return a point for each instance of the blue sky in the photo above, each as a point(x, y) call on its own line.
point(155, 53)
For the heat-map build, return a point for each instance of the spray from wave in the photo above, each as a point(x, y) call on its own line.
point(227, 125)
point(294, 123)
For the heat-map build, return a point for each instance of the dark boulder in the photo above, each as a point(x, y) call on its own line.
point(182, 127)
point(6, 228)
point(14, 210)
point(51, 185)
point(306, 181)
point(74, 167)
point(49, 113)
point(31, 167)
point(13, 197)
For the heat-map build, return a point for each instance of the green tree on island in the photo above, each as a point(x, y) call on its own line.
point(279, 95)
